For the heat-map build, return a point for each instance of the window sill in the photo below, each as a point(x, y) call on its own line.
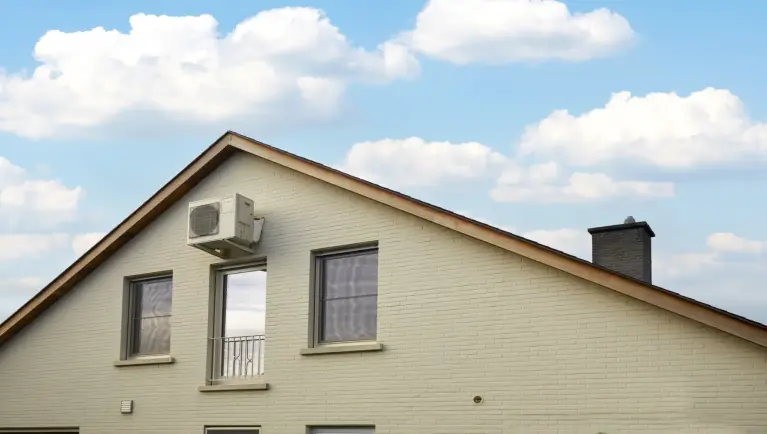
point(141, 361)
point(356, 347)
point(233, 387)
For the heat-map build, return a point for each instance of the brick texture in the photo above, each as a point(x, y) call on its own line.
point(549, 353)
point(627, 251)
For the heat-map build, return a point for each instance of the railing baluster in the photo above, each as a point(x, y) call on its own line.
point(249, 369)
point(238, 356)
point(257, 356)
point(239, 374)
point(226, 362)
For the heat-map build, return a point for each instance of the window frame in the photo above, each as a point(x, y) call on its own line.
point(316, 312)
point(343, 429)
point(217, 317)
point(225, 429)
point(130, 306)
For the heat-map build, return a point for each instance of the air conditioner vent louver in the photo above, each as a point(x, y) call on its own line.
point(204, 220)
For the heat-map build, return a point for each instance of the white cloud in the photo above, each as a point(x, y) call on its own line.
point(733, 283)
point(83, 242)
point(545, 183)
point(42, 202)
point(18, 246)
point(15, 292)
point(662, 130)
point(735, 286)
point(416, 162)
point(707, 127)
point(279, 63)
point(728, 242)
point(501, 31)
point(576, 242)
point(683, 264)
point(719, 244)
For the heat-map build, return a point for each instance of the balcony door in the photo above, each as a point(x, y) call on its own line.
point(239, 340)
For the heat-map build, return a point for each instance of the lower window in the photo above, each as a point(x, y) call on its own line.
point(232, 430)
point(39, 431)
point(329, 430)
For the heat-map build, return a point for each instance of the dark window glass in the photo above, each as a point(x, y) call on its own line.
point(152, 301)
point(348, 297)
point(232, 431)
point(343, 431)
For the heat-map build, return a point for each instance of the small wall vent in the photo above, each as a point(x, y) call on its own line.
point(126, 406)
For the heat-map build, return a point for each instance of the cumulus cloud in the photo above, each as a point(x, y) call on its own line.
point(684, 264)
point(83, 242)
point(546, 182)
point(414, 161)
point(659, 130)
point(719, 244)
point(18, 246)
point(287, 62)
point(729, 242)
point(733, 285)
point(707, 127)
point(576, 242)
point(737, 288)
point(502, 31)
point(417, 162)
point(729, 274)
point(15, 292)
point(42, 202)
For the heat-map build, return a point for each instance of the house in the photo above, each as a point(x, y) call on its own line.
point(361, 310)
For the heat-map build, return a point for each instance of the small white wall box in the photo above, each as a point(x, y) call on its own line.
point(225, 226)
point(126, 406)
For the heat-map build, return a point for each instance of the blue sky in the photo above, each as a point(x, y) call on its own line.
point(463, 108)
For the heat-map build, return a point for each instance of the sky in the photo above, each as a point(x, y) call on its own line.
point(541, 117)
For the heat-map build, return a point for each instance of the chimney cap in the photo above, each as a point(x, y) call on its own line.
point(629, 223)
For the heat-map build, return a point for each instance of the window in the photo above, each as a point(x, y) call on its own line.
point(232, 430)
point(239, 332)
point(342, 430)
point(150, 302)
point(346, 295)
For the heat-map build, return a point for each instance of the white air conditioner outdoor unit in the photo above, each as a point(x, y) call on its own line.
point(225, 227)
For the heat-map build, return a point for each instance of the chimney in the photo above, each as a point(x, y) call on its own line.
point(625, 248)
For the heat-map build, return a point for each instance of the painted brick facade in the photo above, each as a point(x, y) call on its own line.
point(548, 352)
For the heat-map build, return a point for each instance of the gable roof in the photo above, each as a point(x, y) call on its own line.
point(232, 142)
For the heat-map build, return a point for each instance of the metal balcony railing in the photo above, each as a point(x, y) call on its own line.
point(238, 357)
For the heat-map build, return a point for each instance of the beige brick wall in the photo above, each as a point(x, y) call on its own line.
point(548, 352)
